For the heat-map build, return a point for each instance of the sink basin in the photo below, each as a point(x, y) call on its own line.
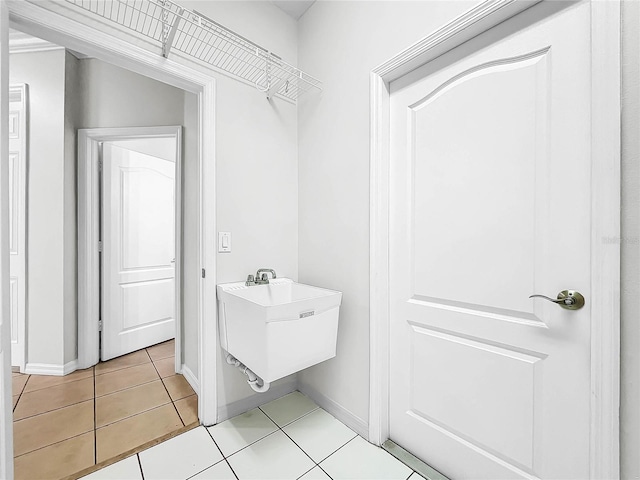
point(279, 328)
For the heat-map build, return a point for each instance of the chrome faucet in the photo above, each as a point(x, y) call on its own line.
point(261, 277)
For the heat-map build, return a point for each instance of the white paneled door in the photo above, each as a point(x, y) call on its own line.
point(17, 221)
point(138, 262)
point(490, 203)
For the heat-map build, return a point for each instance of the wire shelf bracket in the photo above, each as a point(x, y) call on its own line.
point(193, 34)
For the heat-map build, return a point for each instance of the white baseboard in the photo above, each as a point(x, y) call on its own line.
point(355, 423)
point(51, 368)
point(230, 410)
point(191, 378)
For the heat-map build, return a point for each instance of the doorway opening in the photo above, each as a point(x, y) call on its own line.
point(161, 357)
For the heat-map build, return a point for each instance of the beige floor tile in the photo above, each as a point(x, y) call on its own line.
point(18, 383)
point(166, 367)
point(188, 409)
point(15, 400)
point(125, 361)
point(52, 398)
point(162, 350)
point(178, 387)
point(57, 460)
point(126, 403)
point(38, 382)
point(125, 378)
point(134, 431)
point(41, 430)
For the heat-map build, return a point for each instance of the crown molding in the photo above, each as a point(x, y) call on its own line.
point(20, 42)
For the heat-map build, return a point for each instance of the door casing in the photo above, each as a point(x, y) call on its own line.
point(89, 232)
point(605, 205)
point(38, 21)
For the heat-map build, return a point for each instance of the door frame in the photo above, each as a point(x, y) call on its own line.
point(89, 219)
point(73, 34)
point(22, 90)
point(605, 208)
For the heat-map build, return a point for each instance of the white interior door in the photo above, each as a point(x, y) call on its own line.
point(490, 203)
point(17, 220)
point(138, 263)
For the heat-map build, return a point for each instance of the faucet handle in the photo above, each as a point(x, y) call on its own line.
point(250, 280)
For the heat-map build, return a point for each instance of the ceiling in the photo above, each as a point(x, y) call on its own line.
point(294, 8)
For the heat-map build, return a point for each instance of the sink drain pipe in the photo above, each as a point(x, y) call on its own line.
point(254, 381)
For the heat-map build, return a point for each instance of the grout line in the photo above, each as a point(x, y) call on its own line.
point(95, 420)
point(51, 444)
point(352, 438)
point(54, 385)
point(303, 451)
point(127, 388)
point(324, 459)
point(140, 465)
point(173, 402)
point(49, 411)
point(325, 472)
point(133, 415)
point(121, 368)
point(247, 446)
point(224, 459)
point(232, 470)
point(314, 466)
point(147, 352)
point(19, 395)
point(267, 415)
point(215, 443)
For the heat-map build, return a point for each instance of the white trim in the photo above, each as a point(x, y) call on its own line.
point(20, 42)
point(191, 378)
point(89, 228)
point(243, 405)
point(351, 420)
point(605, 257)
point(32, 18)
point(51, 368)
point(19, 349)
point(605, 207)
point(6, 400)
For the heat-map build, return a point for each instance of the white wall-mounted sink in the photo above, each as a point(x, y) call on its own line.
point(279, 328)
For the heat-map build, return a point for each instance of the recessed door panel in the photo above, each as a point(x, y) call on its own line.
point(468, 178)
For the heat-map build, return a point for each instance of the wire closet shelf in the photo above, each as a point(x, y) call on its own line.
point(197, 36)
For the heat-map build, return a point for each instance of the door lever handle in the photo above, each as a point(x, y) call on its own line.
point(569, 299)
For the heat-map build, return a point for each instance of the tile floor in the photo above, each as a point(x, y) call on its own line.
point(289, 438)
point(63, 425)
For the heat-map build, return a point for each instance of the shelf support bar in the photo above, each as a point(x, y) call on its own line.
point(168, 40)
point(273, 89)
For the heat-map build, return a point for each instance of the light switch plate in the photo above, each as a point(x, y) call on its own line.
point(224, 242)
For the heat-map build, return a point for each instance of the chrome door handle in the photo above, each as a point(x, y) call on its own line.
point(569, 299)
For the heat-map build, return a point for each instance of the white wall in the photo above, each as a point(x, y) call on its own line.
point(72, 120)
point(630, 246)
point(115, 97)
point(340, 43)
point(47, 174)
point(190, 245)
point(256, 153)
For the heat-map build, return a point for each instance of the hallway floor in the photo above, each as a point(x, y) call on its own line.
point(289, 438)
point(63, 425)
